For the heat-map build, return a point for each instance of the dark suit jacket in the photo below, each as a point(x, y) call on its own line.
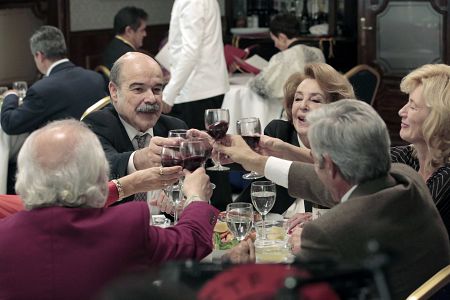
point(71, 253)
point(106, 125)
point(66, 93)
point(115, 49)
point(396, 210)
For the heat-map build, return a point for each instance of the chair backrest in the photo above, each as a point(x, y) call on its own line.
point(433, 285)
point(103, 70)
point(365, 81)
point(96, 106)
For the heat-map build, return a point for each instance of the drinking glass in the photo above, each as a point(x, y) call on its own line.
point(21, 88)
point(263, 194)
point(193, 154)
point(250, 130)
point(216, 124)
point(171, 156)
point(239, 218)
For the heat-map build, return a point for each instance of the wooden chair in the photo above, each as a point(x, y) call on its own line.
point(365, 81)
point(433, 285)
point(96, 106)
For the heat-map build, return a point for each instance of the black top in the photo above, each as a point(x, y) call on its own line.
point(115, 49)
point(284, 131)
point(438, 183)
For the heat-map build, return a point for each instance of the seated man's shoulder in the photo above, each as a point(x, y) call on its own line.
point(172, 122)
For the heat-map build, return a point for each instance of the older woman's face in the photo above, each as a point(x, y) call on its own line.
point(413, 115)
point(308, 96)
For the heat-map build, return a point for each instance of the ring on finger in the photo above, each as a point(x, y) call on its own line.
point(161, 172)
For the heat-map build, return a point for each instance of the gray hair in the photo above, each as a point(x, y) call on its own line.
point(62, 164)
point(354, 136)
point(114, 75)
point(50, 41)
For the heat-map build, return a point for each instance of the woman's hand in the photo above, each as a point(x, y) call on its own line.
point(243, 253)
point(298, 220)
point(196, 185)
point(295, 240)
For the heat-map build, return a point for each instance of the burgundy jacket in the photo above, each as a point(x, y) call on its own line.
point(71, 253)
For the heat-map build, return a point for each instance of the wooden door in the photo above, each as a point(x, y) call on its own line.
point(396, 37)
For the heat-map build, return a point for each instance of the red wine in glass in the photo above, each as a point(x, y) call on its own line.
point(171, 156)
point(193, 162)
point(218, 130)
point(251, 140)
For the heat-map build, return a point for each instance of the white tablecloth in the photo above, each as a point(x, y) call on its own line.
point(242, 102)
point(9, 147)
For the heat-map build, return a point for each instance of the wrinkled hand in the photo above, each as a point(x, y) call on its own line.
point(294, 240)
point(151, 155)
point(166, 108)
point(270, 146)
point(234, 147)
point(298, 220)
point(163, 203)
point(243, 253)
point(151, 179)
point(197, 184)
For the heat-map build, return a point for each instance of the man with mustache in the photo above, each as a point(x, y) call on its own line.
point(131, 130)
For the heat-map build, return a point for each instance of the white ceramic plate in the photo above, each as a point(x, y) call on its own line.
point(249, 30)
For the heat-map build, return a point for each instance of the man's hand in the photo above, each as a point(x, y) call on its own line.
point(196, 185)
point(298, 220)
point(271, 146)
point(150, 179)
point(243, 253)
point(163, 203)
point(166, 108)
point(151, 156)
point(238, 151)
point(294, 240)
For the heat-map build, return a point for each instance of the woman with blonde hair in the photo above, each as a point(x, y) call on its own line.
point(425, 125)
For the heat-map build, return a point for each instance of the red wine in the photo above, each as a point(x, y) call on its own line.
point(218, 130)
point(193, 162)
point(169, 161)
point(252, 141)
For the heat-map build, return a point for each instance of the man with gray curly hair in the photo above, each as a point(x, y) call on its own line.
point(65, 244)
point(370, 198)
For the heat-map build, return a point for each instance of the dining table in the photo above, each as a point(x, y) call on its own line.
point(243, 102)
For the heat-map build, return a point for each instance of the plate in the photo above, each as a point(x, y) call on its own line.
point(249, 30)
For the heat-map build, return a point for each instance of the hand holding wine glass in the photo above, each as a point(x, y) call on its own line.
point(216, 123)
point(250, 130)
point(21, 88)
point(263, 194)
point(239, 217)
point(171, 156)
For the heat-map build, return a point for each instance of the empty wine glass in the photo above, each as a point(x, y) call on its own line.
point(239, 218)
point(216, 124)
point(21, 88)
point(263, 194)
point(171, 156)
point(250, 130)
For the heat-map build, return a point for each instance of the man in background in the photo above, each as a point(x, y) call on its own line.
point(130, 28)
point(65, 91)
point(198, 72)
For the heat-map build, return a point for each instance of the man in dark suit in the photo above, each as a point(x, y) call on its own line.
point(65, 91)
point(130, 28)
point(372, 200)
point(136, 88)
point(65, 245)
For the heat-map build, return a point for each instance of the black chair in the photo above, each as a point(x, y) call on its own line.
point(365, 81)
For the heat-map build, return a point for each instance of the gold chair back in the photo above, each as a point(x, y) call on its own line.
point(432, 285)
point(96, 106)
point(365, 81)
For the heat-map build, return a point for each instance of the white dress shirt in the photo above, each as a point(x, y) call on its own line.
point(197, 61)
point(58, 62)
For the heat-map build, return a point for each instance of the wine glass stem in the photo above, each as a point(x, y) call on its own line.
point(218, 164)
point(264, 227)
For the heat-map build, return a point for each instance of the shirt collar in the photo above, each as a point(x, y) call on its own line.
point(58, 62)
point(125, 41)
point(132, 132)
point(348, 194)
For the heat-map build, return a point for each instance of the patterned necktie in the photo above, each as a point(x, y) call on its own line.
point(141, 142)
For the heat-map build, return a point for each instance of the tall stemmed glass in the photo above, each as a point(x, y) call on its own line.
point(263, 194)
point(239, 218)
point(195, 152)
point(171, 156)
point(250, 130)
point(21, 88)
point(216, 124)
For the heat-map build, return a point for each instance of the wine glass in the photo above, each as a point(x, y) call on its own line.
point(193, 154)
point(250, 130)
point(263, 194)
point(216, 124)
point(171, 156)
point(239, 218)
point(21, 88)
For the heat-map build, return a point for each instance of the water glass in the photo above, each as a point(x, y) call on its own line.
point(239, 218)
point(21, 88)
point(263, 194)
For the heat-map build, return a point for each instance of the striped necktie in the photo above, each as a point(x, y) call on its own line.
point(141, 142)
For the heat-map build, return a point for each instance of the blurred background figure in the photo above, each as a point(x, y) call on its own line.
point(198, 72)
